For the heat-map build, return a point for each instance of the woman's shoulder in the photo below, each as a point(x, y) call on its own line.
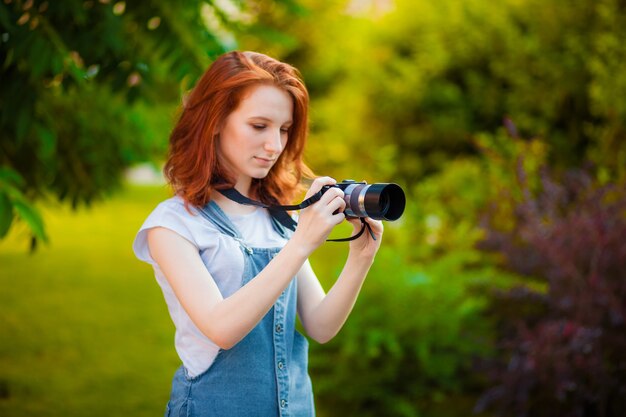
point(183, 219)
point(175, 210)
point(174, 203)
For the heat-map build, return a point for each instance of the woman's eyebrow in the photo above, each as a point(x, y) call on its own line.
point(268, 119)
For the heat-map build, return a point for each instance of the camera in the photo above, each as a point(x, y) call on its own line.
point(379, 201)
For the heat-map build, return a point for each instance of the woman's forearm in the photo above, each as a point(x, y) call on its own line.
point(324, 320)
point(234, 317)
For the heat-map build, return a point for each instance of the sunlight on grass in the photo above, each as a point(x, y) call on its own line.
point(83, 325)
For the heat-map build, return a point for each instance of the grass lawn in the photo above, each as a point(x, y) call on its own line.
point(84, 328)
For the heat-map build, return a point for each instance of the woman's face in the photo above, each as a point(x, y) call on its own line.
point(255, 133)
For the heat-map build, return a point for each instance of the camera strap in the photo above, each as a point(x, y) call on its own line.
point(280, 212)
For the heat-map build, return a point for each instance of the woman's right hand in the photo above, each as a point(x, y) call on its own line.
point(318, 220)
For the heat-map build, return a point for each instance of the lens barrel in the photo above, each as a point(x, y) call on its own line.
point(379, 201)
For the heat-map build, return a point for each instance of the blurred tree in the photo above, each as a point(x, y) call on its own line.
point(73, 74)
point(417, 93)
point(400, 88)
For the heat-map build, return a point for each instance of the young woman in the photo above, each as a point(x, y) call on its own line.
point(232, 276)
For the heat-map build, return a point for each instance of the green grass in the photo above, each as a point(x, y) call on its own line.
point(84, 329)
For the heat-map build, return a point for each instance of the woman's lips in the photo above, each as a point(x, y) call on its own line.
point(267, 162)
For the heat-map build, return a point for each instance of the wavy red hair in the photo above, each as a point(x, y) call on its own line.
point(193, 167)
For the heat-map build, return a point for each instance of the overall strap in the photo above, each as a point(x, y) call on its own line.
point(213, 213)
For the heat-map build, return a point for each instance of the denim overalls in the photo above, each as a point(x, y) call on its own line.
point(265, 374)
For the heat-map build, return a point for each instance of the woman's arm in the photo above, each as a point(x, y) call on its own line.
point(223, 320)
point(323, 315)
point(228, 320)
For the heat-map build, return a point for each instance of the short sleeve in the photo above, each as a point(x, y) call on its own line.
point(171, 214)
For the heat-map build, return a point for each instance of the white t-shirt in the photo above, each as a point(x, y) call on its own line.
point(222, 256)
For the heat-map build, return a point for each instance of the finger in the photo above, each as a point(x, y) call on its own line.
point(318, 183)
point(354, 221)
point(336, 204)
point(331, 194)
point(338, 218)
point(376, 225)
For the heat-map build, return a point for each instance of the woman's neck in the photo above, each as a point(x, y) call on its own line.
point(232, 207)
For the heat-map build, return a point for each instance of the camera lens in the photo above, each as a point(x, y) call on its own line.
point(379, 201)
point(384, 201)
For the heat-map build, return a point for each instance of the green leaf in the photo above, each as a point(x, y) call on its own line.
point(39, 56)
point(10, 177)
point(6, 214)
point(47, 140)
point(5, 19)
point(23, 124)
point(31, 216)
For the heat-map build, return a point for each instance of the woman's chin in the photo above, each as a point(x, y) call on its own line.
point(260, 174)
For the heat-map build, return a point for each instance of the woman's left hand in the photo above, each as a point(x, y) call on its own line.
point(365, 245)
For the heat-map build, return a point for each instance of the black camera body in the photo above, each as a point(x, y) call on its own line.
point(379, 201)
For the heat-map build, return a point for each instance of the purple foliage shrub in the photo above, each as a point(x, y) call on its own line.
point(562, 334)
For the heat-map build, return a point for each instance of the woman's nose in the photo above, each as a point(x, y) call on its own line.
point(274, 142)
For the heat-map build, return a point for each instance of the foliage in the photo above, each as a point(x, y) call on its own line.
point(410, 341)
point(70, 73)
point(14, 203)
point(411, 344)
point(403, 90)
point(563, 347)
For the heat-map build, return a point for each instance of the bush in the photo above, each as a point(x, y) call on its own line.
point(410, 342)
point(410, 346)
point(563, 347)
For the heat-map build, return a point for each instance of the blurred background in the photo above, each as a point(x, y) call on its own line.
point(500, 292)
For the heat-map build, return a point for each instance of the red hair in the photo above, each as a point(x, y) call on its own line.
point(193, 168)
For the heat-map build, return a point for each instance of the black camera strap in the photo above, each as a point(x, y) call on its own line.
point(280, 212)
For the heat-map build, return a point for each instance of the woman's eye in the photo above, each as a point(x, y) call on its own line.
point(258, 127)
point(284, 130)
